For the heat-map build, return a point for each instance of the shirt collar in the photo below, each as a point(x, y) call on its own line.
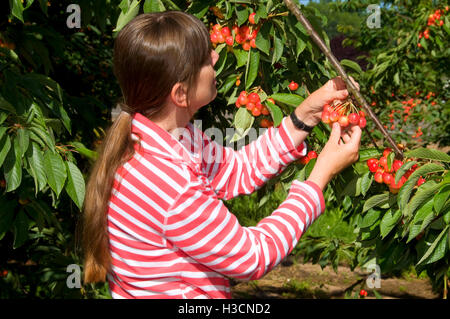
point(158, 141)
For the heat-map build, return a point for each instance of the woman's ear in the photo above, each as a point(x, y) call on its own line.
point(179, 94)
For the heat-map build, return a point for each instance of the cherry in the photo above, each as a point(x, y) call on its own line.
point(226, 31)
point(383, 162)
point(387, 178)
point(256, 111)
point(363, 293)
point(246, 46)
point(362, 122)
point(343, 121)
point(386, 151)
point(304, 160)
point(326, 117)
point(373, 167)
point(265, 123)
point(293, 86)
point(397, 164)
point(253, 97)
point(334, 116)
point(229, 40)
point(250, 106)
point(265, 110)
point(421, 181)
point(353, 118)
point(251, 18)
point(271, 100)
point(312, 154)
point(378, 177)
point(370, 161)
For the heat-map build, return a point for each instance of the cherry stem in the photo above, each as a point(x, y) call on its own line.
point(340, 70)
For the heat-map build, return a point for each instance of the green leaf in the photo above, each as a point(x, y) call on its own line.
point(376, 200)
point(437, 248)
point(441, 197)
point(424, 193)
point(220, 64)
point(389, 221)
point(243, 121)
point(242, 14)
point(55, 171)
point(366, 182)
point(124, 18)
point(390, 160)
point(403, 169)
point(153, 6)
point(288, 98)
point(35, 160)
point(17, 9)
point(252, 68)
point(75, 186)
point(21, 226)
point(241, 57)
point(428, 153)
point(13, 167)
point(262, 40)
point(23, 137)
point(5, 146)
point(275, 112)
point(368, 153)
point(406, 190)
point(278, 46)
point(421, 220)
point(370, 218)
point(351, 64)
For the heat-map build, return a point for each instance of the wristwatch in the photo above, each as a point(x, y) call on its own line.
point(299, 124)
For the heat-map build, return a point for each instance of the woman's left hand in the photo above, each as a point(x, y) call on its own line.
point(310, 111)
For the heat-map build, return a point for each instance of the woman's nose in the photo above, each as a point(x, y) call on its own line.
point(215, 57)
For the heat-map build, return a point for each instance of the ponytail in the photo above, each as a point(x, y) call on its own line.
point(116, 149)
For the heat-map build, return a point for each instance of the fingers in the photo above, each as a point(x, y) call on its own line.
point(356, 84)
point(355, 137)
point(335, 133)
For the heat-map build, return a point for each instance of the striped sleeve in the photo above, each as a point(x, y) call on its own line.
point(201, 226)
point(232, 173)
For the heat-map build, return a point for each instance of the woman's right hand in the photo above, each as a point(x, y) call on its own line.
point(336, 155)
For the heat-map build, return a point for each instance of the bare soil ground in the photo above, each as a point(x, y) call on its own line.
point(295, 280)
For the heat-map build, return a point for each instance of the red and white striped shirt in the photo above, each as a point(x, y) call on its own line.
point(170, 234)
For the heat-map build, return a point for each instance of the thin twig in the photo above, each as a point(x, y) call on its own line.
point(335, 63)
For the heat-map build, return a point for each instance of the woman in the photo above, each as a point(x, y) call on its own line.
point(153, 224)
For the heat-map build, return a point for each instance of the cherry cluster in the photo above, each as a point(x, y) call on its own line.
point(434, 19)
point(305, 159)
point(252, 102)
point(244, 35)
point(385, 174)
point(363, 293)
point(344, 113)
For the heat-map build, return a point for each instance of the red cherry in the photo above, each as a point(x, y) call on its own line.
point(271, 100)
point(226, 31)
point(378, 177)
point(251, 18)
point(253, 43)
point(397, 164)
point(362, 114)
point(362, 122)
point(386, 151)
point(229, 40)
point(293, 86)
point(325, 117)
point(343, 121)
point(387, 178)
point(370, 161)
point(304, 160)
point(312, 154)
point(246, 46)
point(334, 116)
point(373, 167)
point(421, 181)
point(383, 162)
point(239, 38)
point(253, 97)
point(213, 38)
point(327, 108)
point(256, 111)
point(265, 110)
point(353, 118)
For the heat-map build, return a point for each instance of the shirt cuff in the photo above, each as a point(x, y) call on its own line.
point(286, 142)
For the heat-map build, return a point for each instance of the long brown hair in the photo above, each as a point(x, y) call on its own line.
point(152, 53)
